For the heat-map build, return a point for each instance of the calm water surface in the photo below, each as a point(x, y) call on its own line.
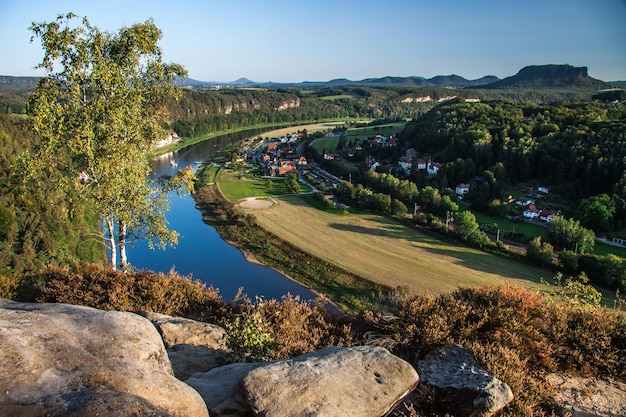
point(201, 251)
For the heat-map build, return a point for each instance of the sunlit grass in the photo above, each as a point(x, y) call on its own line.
point(389, 253)
point(234, 186)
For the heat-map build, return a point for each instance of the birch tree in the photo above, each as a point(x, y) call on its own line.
point(101, 104)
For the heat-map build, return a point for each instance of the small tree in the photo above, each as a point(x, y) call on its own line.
point(98, 109)
point(540, 252)
point(291, 182)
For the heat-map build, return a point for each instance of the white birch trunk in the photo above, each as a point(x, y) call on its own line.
point(123, 257)
point(111, 227)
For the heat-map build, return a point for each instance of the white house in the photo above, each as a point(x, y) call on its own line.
point(405, 163)
point(433, 168)
point(462, 189)
point(547, 215)
point(531, 212)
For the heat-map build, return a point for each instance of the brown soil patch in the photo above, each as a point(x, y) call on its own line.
point(255, 204)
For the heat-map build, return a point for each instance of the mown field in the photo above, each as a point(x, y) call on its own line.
point(386, 252)
point(235, 188)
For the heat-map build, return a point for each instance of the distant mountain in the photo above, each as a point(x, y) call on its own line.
point(242, 82)
point(550, 76)
point(8, 83)
point(534, 76)
point(447, 81)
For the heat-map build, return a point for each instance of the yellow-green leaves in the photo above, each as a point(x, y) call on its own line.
point(102, 103)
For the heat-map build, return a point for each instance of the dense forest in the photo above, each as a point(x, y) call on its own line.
point(576, 148)
point(37, 224)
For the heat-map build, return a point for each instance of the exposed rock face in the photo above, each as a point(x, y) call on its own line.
point(472, 391)
point(61, 360)
point(192, 346)
point(334, 382)
point(221, 389)
point(585, 397)
point(288, 104)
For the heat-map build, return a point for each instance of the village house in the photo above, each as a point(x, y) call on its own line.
point(329, 156)
point(421, 164)
point(531, 212)
point(377, 141)
point(302, 161)
point(462, 189)
point(524, 201)
point(547, 215)
point(286, 167)
point(405, 163)
point(433, 168)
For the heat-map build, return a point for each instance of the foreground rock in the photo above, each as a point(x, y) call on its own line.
point(333, 382)
point(471, 390)
point(62, 360)
point(585, 397)
point(221, 389)
point(193, 347)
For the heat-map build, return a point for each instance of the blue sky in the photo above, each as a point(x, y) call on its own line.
point(319, 40)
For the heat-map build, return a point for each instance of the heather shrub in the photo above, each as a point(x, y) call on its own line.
point(7, 286)
point(100, 287)
point(516, 335)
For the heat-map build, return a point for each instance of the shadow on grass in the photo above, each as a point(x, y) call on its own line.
point(456, 253)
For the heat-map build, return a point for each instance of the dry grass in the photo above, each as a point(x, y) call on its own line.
point(316, 127)
point(389, 253)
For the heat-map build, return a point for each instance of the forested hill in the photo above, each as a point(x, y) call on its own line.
point(550, 76)
point(577, 148)
point(8, 83)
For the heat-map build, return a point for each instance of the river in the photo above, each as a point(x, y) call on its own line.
point(201, 252)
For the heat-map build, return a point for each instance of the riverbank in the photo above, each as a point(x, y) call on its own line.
point(349, 291)
point(266, 130)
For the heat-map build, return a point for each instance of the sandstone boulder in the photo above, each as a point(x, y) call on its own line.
point(62, 360)
point(471, 390)
point(334, 382)
point(182, 331)
point(221, 390)
point(192, 346)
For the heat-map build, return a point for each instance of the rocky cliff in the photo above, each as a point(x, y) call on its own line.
point(66, 360)
point(550, 76)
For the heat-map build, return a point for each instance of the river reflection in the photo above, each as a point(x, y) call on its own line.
point(201, 251)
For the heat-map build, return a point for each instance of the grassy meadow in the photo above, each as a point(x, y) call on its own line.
point(386, 252)
point(235, 187)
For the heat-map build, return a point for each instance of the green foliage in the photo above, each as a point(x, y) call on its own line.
point(249, 337)
point(597, 213)
point(38, 222)
point(577, 147)
point(575, 290)
point(540, 252)
point(568, 234)
point(99, 107)
point(292, 184)
point(467, 229)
